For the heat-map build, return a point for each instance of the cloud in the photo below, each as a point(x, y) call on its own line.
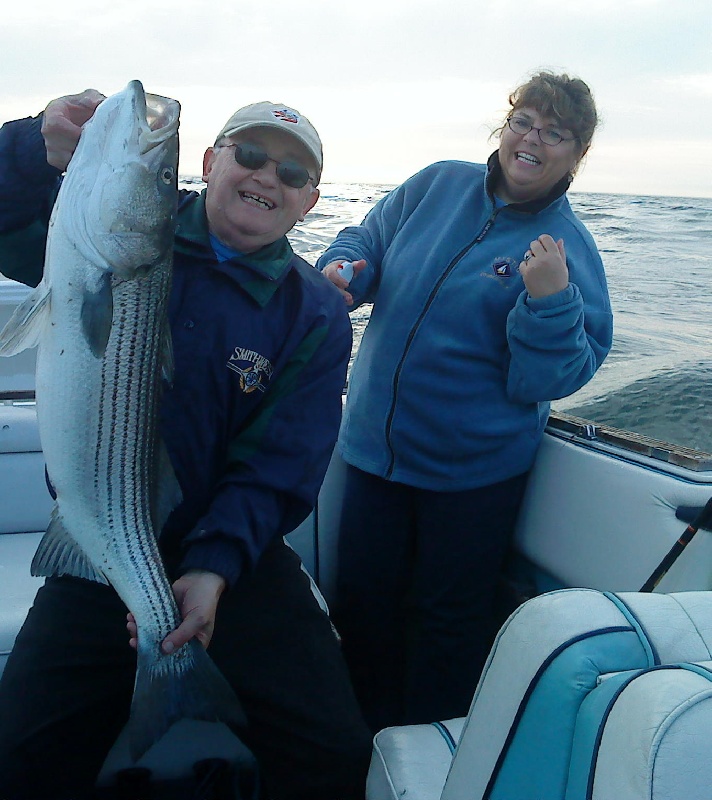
point(698, 86)
point(391, 84)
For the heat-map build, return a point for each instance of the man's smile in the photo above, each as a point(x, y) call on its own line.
point(257, 200)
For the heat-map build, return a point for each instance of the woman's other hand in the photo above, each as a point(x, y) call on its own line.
point(333, 273)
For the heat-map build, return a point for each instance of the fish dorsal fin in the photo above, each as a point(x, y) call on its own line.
point(168, 493)
point(59, 554)
point(25, 326)
point(97, 315)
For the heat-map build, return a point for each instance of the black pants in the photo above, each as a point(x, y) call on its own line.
point(415, 592)
point(67, 687)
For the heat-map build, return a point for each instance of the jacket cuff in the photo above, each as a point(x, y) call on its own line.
point(31, 154)
point(220, 556)
point(562, 298)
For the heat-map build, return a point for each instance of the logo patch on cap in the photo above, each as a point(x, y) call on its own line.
point(286, 115)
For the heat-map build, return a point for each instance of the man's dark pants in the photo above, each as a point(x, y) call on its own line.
point(67, 687)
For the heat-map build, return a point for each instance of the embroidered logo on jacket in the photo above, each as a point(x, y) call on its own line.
point(504, 267)
point(254, 370)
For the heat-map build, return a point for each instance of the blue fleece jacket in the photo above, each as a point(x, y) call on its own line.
point(260, 344)
point(451, 386)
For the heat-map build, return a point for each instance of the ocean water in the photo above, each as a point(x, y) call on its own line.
point(657, 252)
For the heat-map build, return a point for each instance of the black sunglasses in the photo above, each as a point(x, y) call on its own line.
point(252, 156)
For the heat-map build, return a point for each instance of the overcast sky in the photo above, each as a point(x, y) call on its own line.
point(391, 85)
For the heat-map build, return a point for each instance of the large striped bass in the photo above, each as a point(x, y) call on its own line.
point(100, 319)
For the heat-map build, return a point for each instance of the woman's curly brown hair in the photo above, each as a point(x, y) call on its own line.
point(567, 100)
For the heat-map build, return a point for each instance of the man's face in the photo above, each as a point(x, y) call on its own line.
point(248, 209)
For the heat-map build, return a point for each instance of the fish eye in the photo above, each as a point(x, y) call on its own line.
point(167, 175)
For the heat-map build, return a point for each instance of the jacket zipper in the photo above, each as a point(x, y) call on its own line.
point(414, 330)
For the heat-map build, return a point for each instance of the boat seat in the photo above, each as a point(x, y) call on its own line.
point(25, 506)
point(24, 498)
point(644, 735)
point(552, 654)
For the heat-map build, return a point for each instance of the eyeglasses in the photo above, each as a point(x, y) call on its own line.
point(547, 136)
point(252, 156)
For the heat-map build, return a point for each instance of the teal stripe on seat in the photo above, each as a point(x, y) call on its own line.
point(535, 761)
point(705, 672)
point(592, 720)
point(653, 657)
point(445, 733)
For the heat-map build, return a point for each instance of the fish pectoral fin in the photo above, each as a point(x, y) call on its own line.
point(59, 554)
point(25, 326)
point(168, 493)
point(97, 316)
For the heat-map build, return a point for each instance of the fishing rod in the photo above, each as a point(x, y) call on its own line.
point(700, 521)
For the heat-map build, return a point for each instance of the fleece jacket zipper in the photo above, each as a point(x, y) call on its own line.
point(396, 377)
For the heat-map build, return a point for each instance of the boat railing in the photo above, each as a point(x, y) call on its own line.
point(607, 438)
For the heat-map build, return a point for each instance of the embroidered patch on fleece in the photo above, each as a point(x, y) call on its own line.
point(254, 370)
point(505, 267)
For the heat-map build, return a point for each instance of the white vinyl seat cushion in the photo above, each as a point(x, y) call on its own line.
point(415, 756)
point(644, 735)
point(550, 655)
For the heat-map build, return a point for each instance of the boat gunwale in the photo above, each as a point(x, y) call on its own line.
point(646, 450)
point(579, 430)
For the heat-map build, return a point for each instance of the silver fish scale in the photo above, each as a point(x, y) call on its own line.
point(125, 464)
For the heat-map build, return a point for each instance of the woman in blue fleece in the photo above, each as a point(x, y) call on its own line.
point(489, 300)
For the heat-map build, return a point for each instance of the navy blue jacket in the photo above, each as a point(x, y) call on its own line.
point(261, 345)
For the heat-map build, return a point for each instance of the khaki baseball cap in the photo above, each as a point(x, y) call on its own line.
point(284, 118)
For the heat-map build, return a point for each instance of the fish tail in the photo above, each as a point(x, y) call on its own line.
point(186, 685)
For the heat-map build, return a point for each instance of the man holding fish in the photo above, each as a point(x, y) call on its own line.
point(253, 347)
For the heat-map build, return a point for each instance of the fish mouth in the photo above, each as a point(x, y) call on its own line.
point(156, 116)
point(161, 112)
point(257, 200)
point(129, 171)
